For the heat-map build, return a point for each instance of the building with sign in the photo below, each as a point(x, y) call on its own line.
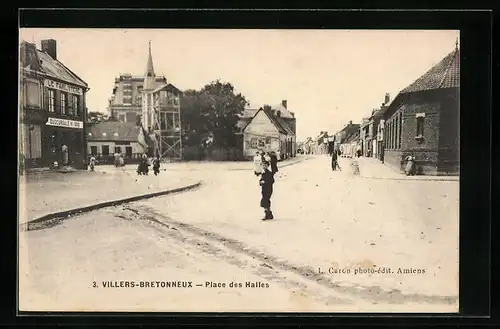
point(52, 109)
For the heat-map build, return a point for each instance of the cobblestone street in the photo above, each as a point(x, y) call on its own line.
point(330, 220)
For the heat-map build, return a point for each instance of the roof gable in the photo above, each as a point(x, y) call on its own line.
point(270, 116)
point(445, 74)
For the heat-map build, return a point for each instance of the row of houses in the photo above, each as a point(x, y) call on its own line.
point(421, 121)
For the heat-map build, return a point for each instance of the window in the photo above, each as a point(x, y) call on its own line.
point(400, 129)
point(51, 100)
point(420, 124)
point(74, 104)
point(105, 150)
point(93, 150)
point(121, 118)
point(63, 103)
point(128, 151)
point(32, 94)
point(268, 140)
point(118, 149)
point(254, 142)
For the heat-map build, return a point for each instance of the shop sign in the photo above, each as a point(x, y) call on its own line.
point(63, 87)
point(65, 123)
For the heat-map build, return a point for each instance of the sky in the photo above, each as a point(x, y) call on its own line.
point(328, 77)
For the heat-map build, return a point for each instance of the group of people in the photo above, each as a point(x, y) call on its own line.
point(143, 168)
point(265, 166)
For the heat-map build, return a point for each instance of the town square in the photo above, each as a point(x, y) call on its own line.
point(298, 171)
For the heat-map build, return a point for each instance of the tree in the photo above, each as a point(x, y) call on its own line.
point(212, 111)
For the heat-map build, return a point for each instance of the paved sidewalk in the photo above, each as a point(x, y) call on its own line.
point(374, 168)
point(45, 193)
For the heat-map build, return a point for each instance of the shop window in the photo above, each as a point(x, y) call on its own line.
point(63, 102)
point(51, 100)
point(93, 150)
point(118, 149)
point(255, 142)
point(105, 150)
point(32, 94)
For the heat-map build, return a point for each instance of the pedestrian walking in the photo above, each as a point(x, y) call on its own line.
point(92, 162)
point(335, 162)
point(257, 164)
point(156, 165)
point(266, 183)
point(274, 162)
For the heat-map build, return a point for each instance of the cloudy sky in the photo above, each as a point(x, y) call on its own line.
point(328, 77)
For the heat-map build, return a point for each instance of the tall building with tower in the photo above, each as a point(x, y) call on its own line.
point(161, 119)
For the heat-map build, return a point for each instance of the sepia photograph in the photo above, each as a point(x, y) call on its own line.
point(238, 170)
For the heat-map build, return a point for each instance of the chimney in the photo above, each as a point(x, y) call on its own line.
point(350, 122)
point(284, 103)
point(278, 114)
point(27, 55)
point(387, 98)
point(50, 47)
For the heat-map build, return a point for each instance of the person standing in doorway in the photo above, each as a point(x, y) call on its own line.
point(266, 183)
point(65, 155)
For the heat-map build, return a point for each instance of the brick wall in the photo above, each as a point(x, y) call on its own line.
point(425, 150)
point(449, 141)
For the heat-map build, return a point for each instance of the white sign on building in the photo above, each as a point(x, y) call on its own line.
point(63, 87)
point(65, 123)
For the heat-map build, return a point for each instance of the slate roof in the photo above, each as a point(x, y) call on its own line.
point(114, 131)
point(445, 74)
point(57, 69)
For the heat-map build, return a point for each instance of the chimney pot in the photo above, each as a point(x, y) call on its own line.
point(284, 103)
point(387, 98)
point(50, 47)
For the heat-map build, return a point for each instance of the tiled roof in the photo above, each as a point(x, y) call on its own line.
point(57, 69)
point(352, 138)
point(113, 131)
point(274, 120)
point(445, 74)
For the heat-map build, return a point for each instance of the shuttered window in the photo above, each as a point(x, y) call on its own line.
point(32, 141)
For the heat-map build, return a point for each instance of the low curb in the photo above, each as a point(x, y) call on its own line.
point(406, 178)
point(59, 216)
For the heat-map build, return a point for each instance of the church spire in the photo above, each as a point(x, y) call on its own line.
point(149, 77)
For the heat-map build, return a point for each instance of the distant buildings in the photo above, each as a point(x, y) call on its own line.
point(52, 109)
point(126, 101)
point(345, 133)
point(423, 121)
point(106, 138)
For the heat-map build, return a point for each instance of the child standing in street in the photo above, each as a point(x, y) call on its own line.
point(257, 164)
point(266, 182)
